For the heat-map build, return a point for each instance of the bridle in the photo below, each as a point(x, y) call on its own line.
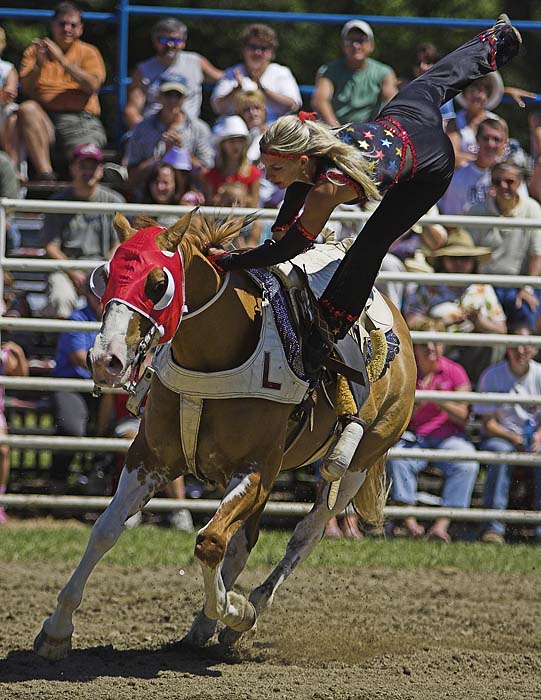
point(149, 341)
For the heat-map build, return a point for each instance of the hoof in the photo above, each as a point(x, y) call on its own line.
point(229, 637)
point(261, 598)
point(245, 616)
point(52, 648)
point(201, 631)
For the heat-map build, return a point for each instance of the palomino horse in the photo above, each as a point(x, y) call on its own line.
point(241, 441)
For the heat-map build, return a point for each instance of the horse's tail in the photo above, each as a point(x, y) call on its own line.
point(371, 497)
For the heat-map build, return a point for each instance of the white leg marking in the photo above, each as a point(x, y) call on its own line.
point(231, 608)
point(203, 628)
point(131, 495)
point(305, 536)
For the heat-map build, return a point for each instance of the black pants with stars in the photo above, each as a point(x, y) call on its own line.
point(417, 109)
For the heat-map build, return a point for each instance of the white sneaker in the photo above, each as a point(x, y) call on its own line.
point(134, 520)
point(180, 520)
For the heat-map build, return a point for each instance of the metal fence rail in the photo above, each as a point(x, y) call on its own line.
point(86, 444)
point(470, 339)
point(87, 385)
point(164, 505)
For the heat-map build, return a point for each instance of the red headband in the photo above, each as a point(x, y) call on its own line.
point(282, 155)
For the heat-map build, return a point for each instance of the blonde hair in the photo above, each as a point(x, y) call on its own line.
point(2, 39)
point(248, 98)
point(290, 135)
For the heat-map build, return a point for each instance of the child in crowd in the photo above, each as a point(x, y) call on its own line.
point(232, 141)
point(169, 182)
point(235, 195)
point(510, 428)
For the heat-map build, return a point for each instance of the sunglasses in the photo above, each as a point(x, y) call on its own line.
point(359, 40)
point(258, 47)
point(498, 181)
point(166, 40)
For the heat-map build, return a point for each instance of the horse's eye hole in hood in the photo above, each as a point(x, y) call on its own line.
point(160, 288)
point(98, 280)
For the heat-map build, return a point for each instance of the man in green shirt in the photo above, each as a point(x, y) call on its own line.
point(354, 87)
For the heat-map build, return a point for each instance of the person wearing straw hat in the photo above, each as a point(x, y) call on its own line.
point(472, 308)
point(406, 253)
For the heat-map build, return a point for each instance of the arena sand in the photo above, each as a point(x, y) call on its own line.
point(332, 634)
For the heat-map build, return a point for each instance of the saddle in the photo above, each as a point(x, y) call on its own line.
point(303, 281)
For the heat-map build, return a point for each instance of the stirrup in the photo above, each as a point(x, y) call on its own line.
point(337, 464)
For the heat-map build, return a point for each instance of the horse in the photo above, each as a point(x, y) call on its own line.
point(241, 442)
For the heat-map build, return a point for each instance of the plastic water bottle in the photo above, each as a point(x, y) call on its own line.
point(528, 431)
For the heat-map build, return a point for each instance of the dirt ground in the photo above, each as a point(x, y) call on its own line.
point(349, 635)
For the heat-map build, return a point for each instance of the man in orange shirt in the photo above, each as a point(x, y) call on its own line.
point(62, 77)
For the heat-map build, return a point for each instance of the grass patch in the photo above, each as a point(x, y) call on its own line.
point(151, 546)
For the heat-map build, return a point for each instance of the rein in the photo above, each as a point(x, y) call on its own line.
point(211, 301)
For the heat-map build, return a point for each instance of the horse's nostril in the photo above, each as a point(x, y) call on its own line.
point(114, 365)
point(88, 361)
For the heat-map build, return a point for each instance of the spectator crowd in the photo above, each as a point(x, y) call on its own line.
point(51, 131)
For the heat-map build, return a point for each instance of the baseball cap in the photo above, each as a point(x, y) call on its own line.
point(363, 27)
point(177, 85)
point(87, 150)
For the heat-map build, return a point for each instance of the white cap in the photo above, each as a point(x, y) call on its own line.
point(364, 27)
point(229, 128)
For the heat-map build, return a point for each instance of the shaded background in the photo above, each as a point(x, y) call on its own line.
point(304, 46)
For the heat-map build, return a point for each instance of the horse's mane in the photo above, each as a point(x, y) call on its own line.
point(204, 232)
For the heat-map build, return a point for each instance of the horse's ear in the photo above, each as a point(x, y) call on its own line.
point(122, 227)
point(171, 237)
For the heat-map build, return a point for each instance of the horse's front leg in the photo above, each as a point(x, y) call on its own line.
point(241, 544)
point(306, 535)
point(247, 499)
point(135, 488)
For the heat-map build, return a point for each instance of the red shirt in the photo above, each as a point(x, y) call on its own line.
point(216, 177)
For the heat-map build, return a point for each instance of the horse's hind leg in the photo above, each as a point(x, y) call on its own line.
point(54, 640)
point(306, 535)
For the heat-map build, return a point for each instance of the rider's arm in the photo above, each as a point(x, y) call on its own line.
point(321, 201)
